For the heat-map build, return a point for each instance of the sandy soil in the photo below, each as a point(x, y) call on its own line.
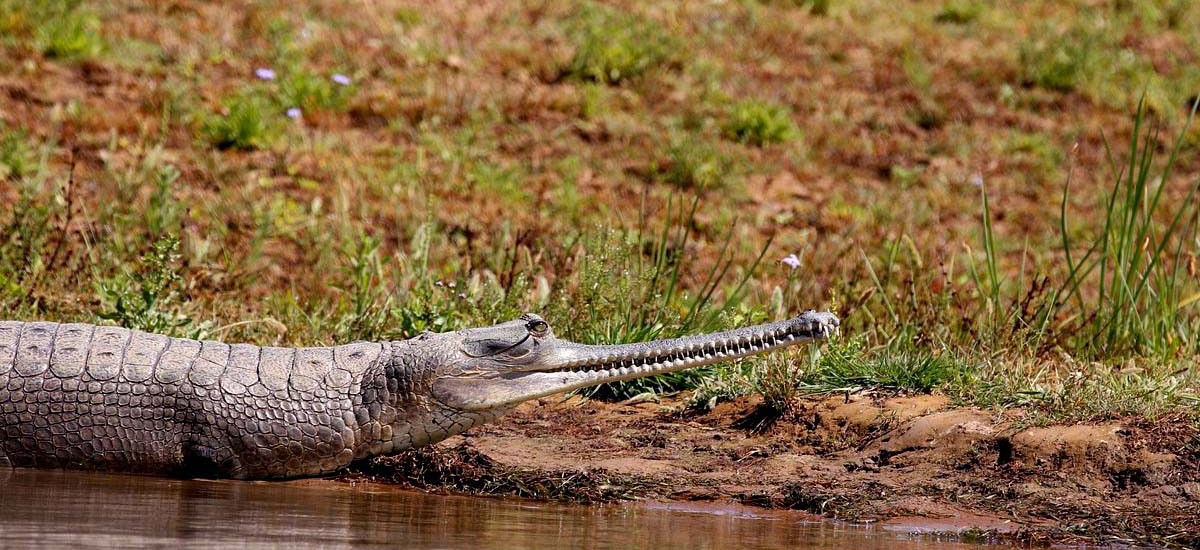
point(910, 463)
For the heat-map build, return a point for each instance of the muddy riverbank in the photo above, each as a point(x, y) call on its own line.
point(908, 463)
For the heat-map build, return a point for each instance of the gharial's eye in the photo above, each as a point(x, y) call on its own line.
point(537, 327)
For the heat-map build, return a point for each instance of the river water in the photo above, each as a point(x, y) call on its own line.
point(56, 509)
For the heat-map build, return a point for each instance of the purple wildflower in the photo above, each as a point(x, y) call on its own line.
point(294, 113)
point(976, 180)
point(264, 73)
point(792, 261)
point(341, 79)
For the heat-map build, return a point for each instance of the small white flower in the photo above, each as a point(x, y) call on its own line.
point(976, 180)
point(341, 79)
point(791, 260)
point(264, 73)
point(294, 113)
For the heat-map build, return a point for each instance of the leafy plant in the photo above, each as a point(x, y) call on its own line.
point(64, 31)
point(611, 47)
point(845, 366)
point(148, 298)
point(311, 92)
point(17, 157)
point(760, 124)
point(959, 12)
point(698, 165)
point(249, 122)
point(630, 290)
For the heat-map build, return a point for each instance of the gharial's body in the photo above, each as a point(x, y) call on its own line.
point(98, 397)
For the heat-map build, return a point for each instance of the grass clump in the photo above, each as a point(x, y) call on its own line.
point(758, 123)
point(696, 165)
point(1137, 261)
point(17, 158)
point(959, 12)
point(23, 240)
point(612, 47)
point(629, 289)
point(148, 299)
point(64, 31)
point(815, 7)
point(249, 122)
point(311, 92)
point(1060, 62)
point(845, 367)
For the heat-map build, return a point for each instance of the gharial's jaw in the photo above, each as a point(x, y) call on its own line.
point(565, 366)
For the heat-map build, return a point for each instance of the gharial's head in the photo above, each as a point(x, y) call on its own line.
point(502, 365)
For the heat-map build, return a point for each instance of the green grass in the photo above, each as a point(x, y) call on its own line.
point(758, 123)
point(65, 31)
point(311, 92)
point(693, 164)
point(1091, 56)
point(17, 156)
point(959, 12)
point(630, 290)
point(147, 298)
point(612, 46)
point(248, 122)
point(845, 367)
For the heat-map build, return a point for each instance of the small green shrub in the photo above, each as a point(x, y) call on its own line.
point(311, 92)
point(959, 12)
point(148, 298)
point(815, 7)
point(23, 237)
point(611, 47)
point(696, 165)
point(846, 366)
point(1059, 61)
point(66, 32)
point(17, 158)
point(248, 123)
point(758, 123)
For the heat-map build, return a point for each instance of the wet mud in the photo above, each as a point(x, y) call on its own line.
point(912, 464)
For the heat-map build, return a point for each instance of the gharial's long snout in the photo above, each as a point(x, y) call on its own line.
point(565, 366)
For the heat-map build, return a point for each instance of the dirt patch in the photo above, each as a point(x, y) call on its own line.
point(910, 463)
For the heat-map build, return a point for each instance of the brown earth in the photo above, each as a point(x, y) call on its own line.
point(909, 463)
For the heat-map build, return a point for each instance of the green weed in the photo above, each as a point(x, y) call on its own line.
point(249, 122)
point(959, 12)
point(696, 165)
point(1136, 260)
point(629, 289)
point(65, 31)
point(311, 92)
point(22, 241)
point(1060, 61)
point(845, 367)
point(611, 46)
point(17, 156)
point(148, 299)
point(758, 123)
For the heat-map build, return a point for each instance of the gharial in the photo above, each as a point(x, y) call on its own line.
point(109, 398)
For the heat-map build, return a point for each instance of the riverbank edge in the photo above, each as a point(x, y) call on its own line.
point(909, 463)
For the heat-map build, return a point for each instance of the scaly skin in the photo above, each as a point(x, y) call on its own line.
point(96, 397)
